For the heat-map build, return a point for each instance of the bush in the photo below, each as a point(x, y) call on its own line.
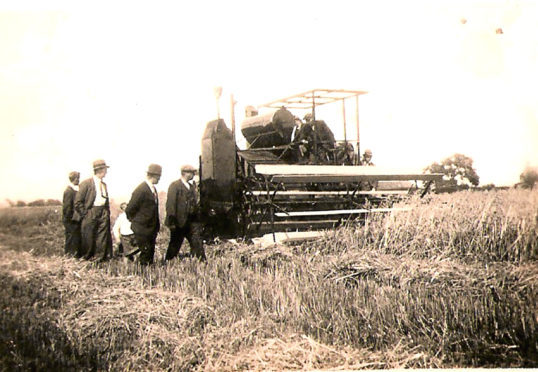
point(529, 177)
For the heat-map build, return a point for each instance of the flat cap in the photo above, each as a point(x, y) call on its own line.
point(187, 168)
point(155, 169)
point(99, 164)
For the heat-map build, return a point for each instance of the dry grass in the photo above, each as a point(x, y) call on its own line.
point(451, 284)
point(469, 226)
point(300, 352)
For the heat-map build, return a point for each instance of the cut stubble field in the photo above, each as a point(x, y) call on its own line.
point(451, 283)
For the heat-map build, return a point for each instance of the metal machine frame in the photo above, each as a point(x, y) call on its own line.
point(271, 195)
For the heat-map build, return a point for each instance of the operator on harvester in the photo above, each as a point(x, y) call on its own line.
point(367, 158)
point(367, 161)
point(316, 141)
point(345, 154)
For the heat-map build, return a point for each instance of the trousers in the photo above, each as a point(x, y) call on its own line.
point(96, 236)
point(72, 238)
point(193, 232)
point(127, 244)
point(146, 244)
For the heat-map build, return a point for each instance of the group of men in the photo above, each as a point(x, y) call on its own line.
point(86, 217)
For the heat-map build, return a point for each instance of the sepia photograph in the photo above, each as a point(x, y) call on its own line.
point(240, 185)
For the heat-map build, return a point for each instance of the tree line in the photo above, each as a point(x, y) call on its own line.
point(35, 203)
point(459, 174)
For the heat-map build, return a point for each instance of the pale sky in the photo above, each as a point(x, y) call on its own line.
point(134, 84)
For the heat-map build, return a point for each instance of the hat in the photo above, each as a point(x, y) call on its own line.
point(367, 152)
point(187, 168)
point(155, 169)
point(99, 164)
point(250, 111)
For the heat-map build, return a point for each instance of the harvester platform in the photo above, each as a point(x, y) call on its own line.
point(281, 197)
point(336, 173)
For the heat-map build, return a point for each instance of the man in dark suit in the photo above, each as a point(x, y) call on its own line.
point(143, 212)
point(93, 206)
point(70, 217)
point(182, 216)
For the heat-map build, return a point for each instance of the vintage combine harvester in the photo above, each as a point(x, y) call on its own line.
point(293, 175)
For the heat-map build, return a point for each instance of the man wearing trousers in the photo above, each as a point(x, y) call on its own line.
point(70, 217)
point(143, 212)
point(93, 206)
point(182, 216)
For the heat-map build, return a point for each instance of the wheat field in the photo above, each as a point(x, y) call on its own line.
point(451, 283)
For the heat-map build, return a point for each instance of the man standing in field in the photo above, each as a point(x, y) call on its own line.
point(70, 217)
point(93, 206)
point(143, 212)
point(182, 216)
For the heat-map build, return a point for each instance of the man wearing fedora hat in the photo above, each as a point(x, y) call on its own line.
point(70, 217)
point(143, 212)
point(182, 216)
point(93, 206)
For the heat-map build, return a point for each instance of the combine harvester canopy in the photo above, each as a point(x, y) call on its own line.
point(293, 176)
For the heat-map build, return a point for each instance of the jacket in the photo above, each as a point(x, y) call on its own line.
point(69, 215)
point(143, 211)
point(181, 204)
point(86, 197)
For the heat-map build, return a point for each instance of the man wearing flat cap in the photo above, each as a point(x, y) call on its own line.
point(367, 158)
point(182, 216)
point(93, 206)
point(143, 212)
point(70, 217)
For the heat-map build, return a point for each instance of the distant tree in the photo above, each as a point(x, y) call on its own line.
point(529, 177)
point(20, 203)
point(37, 203)
point(458, 172)
point(487, 187)
point(11, 203)
point(52, 202)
